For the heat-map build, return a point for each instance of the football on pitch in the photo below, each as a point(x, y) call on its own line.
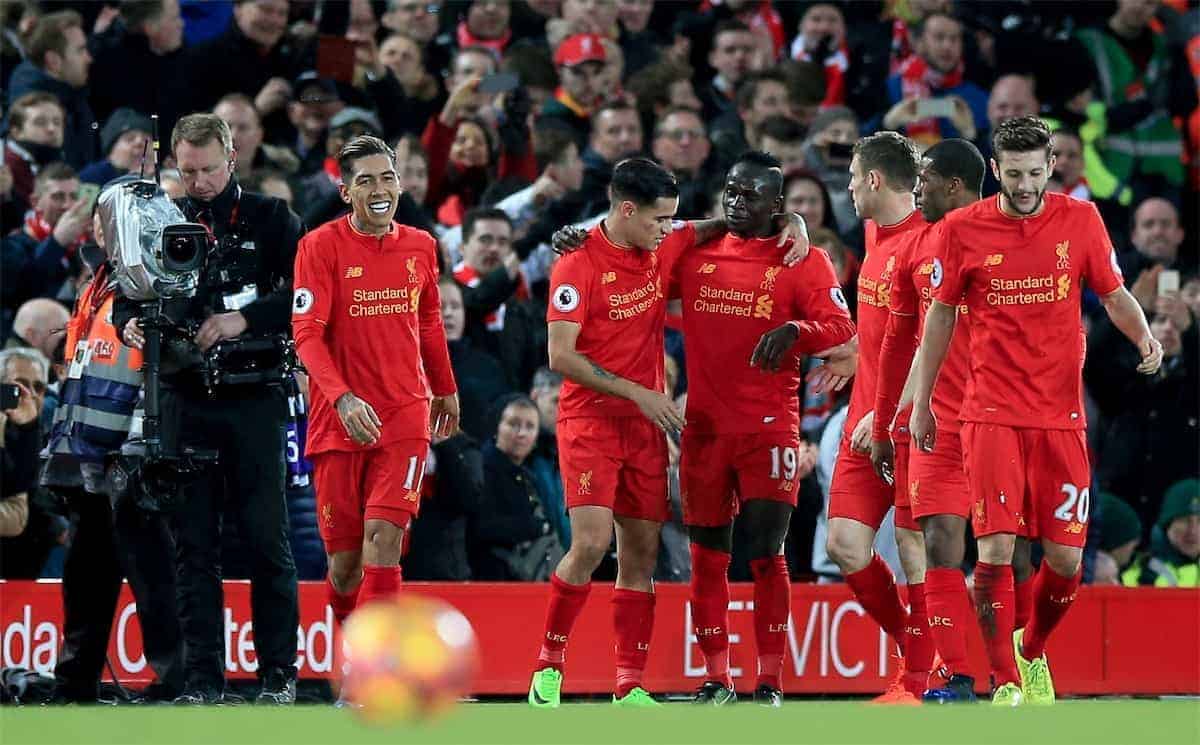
point(406, 659)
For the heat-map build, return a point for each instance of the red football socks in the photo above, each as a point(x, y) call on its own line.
point(342, 604)
point(566, 602)
point(772, 606)
point(875, 588)
point(710, 610)
point(1053, 595)
point(633, 624)
point(994, 604)
point(1024, 600)
point(918, 643)
point(949, 612)
point(378, 583)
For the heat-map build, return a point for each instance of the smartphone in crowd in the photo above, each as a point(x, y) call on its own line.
point(10, 396)
point(88, 194)
point(501, 82)
point(928, 108)
point(1168, 282)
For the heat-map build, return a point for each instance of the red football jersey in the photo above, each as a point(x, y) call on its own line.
point(874, 300)
point(1021, 282)
point(734, 290)
point(367, 318)
point(616, 296)
point(918, 271)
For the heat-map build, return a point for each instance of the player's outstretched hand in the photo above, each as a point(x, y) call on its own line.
point(773, 346)
point(796, 231)
point(359, 419)
point(860, 440)
point(841, 362)
point(1152, 356)
point(923, 426)
point(661, 410)
point(883, 458)
point(567, 239)
point(443, 415)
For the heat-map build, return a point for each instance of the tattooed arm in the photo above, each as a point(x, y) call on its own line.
point(564, 359)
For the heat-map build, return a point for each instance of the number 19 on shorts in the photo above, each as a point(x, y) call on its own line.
point(785, 457)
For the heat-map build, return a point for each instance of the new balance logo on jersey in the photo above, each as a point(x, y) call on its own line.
point(1074, 528)
point(608, 278)
point(353, 272)
point(706, 269)
point(412, 496)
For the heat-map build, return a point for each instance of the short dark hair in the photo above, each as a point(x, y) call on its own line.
point(414, 146)
point(550, 143)
point(56, 171)
point(613, 104)
point(677, 110)
point(766, 162)
point(1069, 132)
point(805, 81)
point(893, 155)
point(642, 181)
point(137, 12)
point(727, 25)
point(651, 85)
point(747, 89)
point(956, 158)
point(1021, 134)
point(782, 128)
point(361, 147)
point(917, 28)
point(519, 400)
point(50, 35)
point(476, 214)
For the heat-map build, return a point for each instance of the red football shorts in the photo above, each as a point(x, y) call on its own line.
point(1033, 482)
point(856, 491)
point(719, 472)
point(903, 462)
point(937, 483)
point(616, 463)
point(382, 483)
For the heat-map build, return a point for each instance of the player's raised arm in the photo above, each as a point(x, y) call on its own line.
point(939, 329)
point(566, 360)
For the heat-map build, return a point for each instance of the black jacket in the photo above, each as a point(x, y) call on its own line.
point(80, 142)
point(257, 237)
point(437, 542)
point(481, 381)
point(1149, 433)
point(509, 513)
point(127, 73)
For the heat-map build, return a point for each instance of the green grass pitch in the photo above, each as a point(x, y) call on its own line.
point(1095, 722)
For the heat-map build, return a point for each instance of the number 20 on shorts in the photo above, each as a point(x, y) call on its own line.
point(1078, 501)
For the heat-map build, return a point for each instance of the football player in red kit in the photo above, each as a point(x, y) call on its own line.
point(368, 327)
point(741, 451)
point(883, 173)
point(951, 177)
point(1017, 262)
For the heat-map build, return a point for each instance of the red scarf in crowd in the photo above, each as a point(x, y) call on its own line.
point(332, 170)
point(468, 39)
point(835, 66)
point(761, 19)
point(37, 227)
point(465, 274)
point(901, 46)
point(919, 80)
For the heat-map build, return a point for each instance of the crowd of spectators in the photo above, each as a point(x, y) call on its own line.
point(507, 117)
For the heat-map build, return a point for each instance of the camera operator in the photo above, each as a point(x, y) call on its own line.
point(113, 538)
point(245, 290)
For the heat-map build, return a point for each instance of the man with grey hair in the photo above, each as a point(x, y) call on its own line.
point(39, 323)
point(28, 537)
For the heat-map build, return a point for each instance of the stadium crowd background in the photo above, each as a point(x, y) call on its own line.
point(494, 172)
